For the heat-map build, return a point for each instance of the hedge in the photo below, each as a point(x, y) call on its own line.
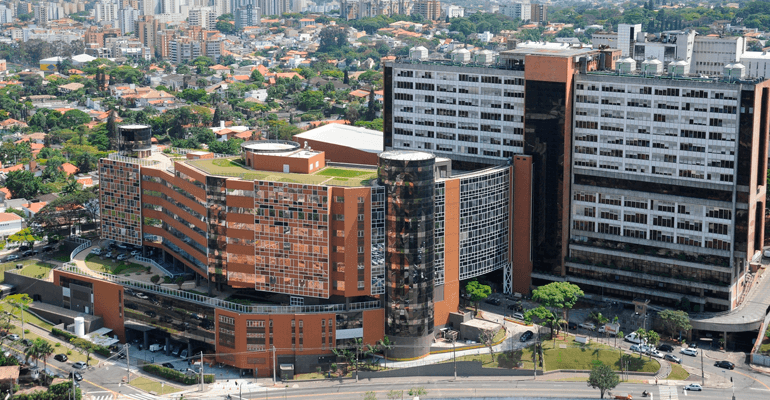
point(176, 376)
point(61, 333)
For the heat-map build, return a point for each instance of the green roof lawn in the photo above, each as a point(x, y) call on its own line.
point(332, 176)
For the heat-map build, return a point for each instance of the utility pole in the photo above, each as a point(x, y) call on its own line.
point(202, 384)
point(454, 355)
point(128, 364)
point(274, 381)
point(22, 321)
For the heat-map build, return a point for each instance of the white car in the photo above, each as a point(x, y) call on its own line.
point(689, 352)
point(135, 253)
point(655, 353)
point(13, 337)
point(123, 256)
point(142, 296)
point(694, 386)
point(766, 253)
point(96, 250)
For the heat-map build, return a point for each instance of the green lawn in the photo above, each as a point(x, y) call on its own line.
point(38, 270)
point(344, 173)
point(149, 385)
point(574, 356)
point(330, 176)
point(677, 373)
point(110, 266)
point(27, 317)
point(73, 356)
point(32, 268)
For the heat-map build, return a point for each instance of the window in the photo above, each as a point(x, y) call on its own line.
point(339, 217)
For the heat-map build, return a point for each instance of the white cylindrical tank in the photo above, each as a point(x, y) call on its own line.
point(80, 327)
point(678, 68)
point(652, 66)
point(461, 56)
point(735, 71)
point(626, 65)
point(418, 53)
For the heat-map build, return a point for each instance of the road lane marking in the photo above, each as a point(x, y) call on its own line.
point(752, 378)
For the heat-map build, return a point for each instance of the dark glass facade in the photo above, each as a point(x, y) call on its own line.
point(387, 109)
point(409, 224)
point(544, 119)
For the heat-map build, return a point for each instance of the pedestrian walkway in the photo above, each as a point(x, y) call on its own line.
point(665, 369)
point(668, 393)
point(132, 396)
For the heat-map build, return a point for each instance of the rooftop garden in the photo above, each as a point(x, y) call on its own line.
point(332, 176)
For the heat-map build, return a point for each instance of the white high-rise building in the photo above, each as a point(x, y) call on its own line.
point(127, 20)
point(221, 7)
point(150, 7)
point(247, 16)
point(169, 6)
point(205, 17)
point(106, 10)
point(519, 11)
point(6, 15)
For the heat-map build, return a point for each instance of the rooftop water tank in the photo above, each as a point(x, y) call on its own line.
point(461, 56)
point(626, 65)
point(418, 53)
point(734, 71)
point(652, 66)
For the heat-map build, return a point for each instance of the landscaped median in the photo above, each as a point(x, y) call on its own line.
point(567, 354)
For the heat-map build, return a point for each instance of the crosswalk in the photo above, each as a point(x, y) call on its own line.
point(133, 396)
point(668, 392)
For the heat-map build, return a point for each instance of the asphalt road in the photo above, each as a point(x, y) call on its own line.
point(438, 389)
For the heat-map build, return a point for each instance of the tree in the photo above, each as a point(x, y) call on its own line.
point(675, 321)
point(22, 184)
point(257, 77)
point(226, 27)
point(179, 281)
point(24, 236)
point(642, 335)
point(370, 396)
point(487, 338)
point(359, 351)
point(20, 301)
point(332, 38)
point(384, 345)
point(543, 316)
point(561, 295)
point(155, 279)
point(603, 378)
point(477, 291)
point(351, 114)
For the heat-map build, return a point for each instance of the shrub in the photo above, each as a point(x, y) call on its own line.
point(175, 375)
point(63, 334)
point(26, 331)
point(57, 344)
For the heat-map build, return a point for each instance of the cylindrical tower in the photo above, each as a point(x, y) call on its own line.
point(409, 187)
point(135, 139)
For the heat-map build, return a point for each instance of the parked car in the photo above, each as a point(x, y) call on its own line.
point(135, 253)
point(60, 357)
point(724, 364)
point(108, 254)
point(168, 365)
point(635, 348)
point(672, 358)
point(166, 318)
point(518, 316)
point(13, 337)
point(572, 325)
point(151, 314)
point(526, 336)
point(131, 306)
point(123, 256)
point(129, 292)
point(26, 342)
point(666, 347)
point(79, 365)
point(588, 326)
point(142, 296)
point(183, 354)
point(689, 352)
point(175, 351)
point(23, 248)
point(12, 257)
point(28, 253)
point(155, 347)
point(121, 356)
point(694, 386)
point(766, 253)
point(47, 249)
point(96, 250)
point(494, 302)
point(655, 353)
point(76, 375)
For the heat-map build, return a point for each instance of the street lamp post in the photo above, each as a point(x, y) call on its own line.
point(454, 355)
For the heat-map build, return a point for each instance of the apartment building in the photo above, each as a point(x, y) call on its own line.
point(634, 175)
point(521, 11)
point(204, 17)
point(430, 9)
point(539, 13)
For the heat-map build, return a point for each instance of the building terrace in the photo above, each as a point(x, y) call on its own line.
point(331, 175)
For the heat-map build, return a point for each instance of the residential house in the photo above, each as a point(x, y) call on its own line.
point(30, 209)
point(10, 223)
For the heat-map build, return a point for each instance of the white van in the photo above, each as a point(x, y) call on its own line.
point(633, 338)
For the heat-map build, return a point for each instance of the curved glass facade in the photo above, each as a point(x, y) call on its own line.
point(408, 178)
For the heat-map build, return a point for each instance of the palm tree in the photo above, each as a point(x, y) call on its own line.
point(44, 351)
point(385, 344)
